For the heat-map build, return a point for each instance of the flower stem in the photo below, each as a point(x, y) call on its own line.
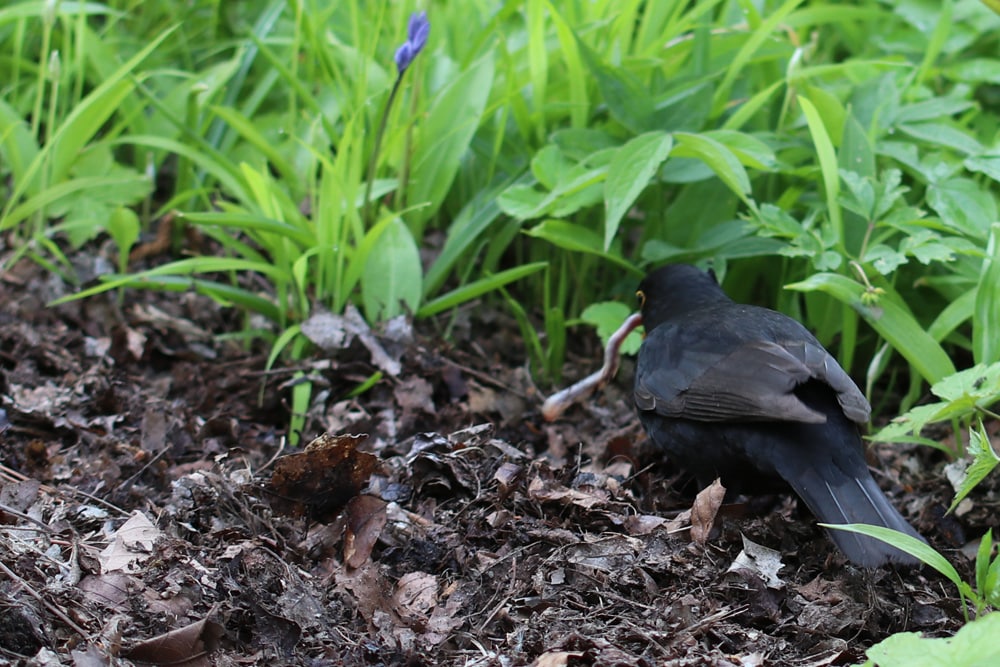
point(367, 214)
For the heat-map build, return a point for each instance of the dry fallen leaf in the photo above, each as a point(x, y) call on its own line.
point(132, 543)
point(761, 561)
point(366, 517)
point(704, 510)
point(188, 646)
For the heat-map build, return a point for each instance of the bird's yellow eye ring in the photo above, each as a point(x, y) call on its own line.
point(642, 298)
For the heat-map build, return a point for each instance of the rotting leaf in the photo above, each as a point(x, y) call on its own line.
point(320, 480)
point(507, 475)
point(415, 394)
point(542, 490)
point(415, 598)
point(188, 646)
point(761, 561)
point(334, 332)
point(704, 510)
point(133, 543)
point(366, 518)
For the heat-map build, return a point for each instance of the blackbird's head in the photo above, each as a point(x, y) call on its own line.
point(676, 289)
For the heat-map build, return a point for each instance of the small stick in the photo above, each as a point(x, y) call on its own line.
point(558, 403)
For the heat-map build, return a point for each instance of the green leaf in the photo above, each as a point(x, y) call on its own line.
point(17, 146)
point(856, 152)
point(907, 427)
point(445, 134)
point(477, 288)
point(828, 167)
point(983, 561)
point(985, 164)
point(891, 320)
point(981, 383)
point(984, 461)
point(974, 645)
point(251, 222)
point(628, 100)
point(607, 318)
point(963, 205)
point(471, 222)
point(630, 171)
point(123, 228)
point(748, 149)
point(939, 134)
point(720, 159)
point(577, 238)
point(524, 202)
point(392, 276)
point(986, 318)
point(911, 545)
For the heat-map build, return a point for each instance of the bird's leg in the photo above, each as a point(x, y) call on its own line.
point(558, 403)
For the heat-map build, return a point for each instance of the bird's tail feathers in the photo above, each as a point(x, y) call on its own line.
point(855, 500)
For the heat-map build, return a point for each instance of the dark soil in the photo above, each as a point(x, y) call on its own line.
point(147, 514)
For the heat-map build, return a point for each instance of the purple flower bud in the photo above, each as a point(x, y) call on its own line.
point(417, 31)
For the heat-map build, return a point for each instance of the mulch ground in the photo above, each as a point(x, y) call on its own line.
point(153, 511)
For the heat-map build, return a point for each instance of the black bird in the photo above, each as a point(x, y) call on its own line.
point(749, 395)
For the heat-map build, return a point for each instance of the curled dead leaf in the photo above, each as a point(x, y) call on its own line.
point(320, 480)
point(704, 510)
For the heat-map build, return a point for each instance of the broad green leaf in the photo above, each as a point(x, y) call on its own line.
point(630, 171)
point(963, 205)
point(607, 317)
point(890, 319)
point(940, 134)
point(981, 383)
point(445, 134)
point(974, 645)
point(577, 238)
point(391, 282)
point(985, 164)
point(856, 152)
point(123, 228)
point(748, 149)
point(720, 159)
point(523, 201)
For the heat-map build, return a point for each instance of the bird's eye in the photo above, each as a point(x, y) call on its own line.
point(642, 298)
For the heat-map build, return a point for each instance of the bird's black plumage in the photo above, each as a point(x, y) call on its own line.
point(748, 394)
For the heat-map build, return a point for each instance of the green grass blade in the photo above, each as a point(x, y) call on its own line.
point(477, 288)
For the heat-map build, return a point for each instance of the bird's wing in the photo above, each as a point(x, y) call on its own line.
point(825, 368)
point(755, 381)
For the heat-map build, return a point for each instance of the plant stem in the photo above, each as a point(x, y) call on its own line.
point(367, 213)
